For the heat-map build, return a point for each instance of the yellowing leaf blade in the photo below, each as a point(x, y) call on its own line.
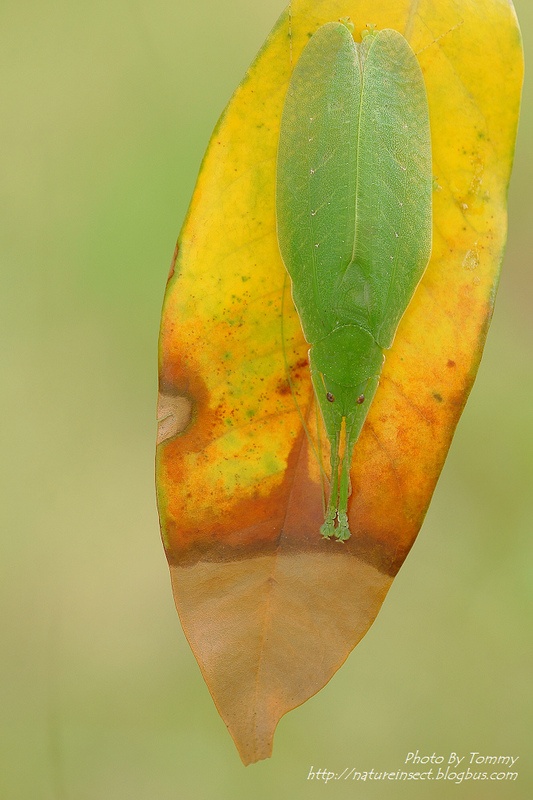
point(270, 609)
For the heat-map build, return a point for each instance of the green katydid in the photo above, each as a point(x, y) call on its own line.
point(354, 186)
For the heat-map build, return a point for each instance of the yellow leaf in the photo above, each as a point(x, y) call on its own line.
point(270, 609)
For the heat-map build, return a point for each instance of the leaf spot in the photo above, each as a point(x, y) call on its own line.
point(174, 414)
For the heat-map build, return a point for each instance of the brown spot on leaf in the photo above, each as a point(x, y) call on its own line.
point(174, 259)
point(283, 387)
point(174, 414)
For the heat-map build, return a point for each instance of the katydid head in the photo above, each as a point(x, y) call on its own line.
point(337, 401)
point(343, 365)
point(346, 359)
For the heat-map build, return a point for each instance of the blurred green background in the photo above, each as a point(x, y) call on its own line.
point(105, 112)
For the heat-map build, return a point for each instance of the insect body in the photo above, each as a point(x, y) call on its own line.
point(353, 209)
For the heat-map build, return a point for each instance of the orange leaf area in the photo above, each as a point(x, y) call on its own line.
point(271, 610)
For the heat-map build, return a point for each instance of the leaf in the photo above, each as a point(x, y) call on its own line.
point(270, 609)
